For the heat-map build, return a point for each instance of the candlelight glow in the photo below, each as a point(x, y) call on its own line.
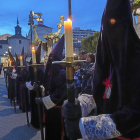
point(33, 55)
point(8, 59)
point(9, 63)
point(21, 61)
point(68, 19)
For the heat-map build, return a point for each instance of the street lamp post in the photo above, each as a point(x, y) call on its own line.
point(9, 48)
point(31, 22)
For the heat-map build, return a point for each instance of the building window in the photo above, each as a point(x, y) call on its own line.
point(19, 41)
point(0, 46)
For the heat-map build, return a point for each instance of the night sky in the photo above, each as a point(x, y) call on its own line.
point(86, 14)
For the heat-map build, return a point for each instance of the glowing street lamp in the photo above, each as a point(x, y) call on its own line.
point(10, 47)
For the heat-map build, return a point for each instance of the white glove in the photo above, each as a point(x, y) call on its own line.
point(43, 90)
point(29, 86)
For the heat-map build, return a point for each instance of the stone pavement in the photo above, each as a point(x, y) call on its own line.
point(13, 125)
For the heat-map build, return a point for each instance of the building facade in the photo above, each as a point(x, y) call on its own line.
point(78, 34)
point(17, 42)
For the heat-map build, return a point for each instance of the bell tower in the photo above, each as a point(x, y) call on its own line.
point(17, 28)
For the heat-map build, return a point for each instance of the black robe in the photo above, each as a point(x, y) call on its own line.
point(58, 93)
point(118, 66)
point(20, 96)
point(33, 105)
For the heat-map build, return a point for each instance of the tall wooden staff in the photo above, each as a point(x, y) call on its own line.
point(34, 65)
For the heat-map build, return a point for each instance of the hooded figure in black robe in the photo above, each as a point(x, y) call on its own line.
point(55, 94)
point(29, 85)
point(25, 74)
point(10, 80)
point(17, 63)
point(115, 81)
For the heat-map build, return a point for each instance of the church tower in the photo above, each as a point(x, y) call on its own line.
point(17, 28)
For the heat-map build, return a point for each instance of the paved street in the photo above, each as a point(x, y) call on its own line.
point(13, 125)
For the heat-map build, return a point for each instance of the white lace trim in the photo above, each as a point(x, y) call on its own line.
point(48, 102)
point(99, 127)
point(87, 103)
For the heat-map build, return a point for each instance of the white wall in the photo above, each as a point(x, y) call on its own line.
point(4, 48)
point(16, 47)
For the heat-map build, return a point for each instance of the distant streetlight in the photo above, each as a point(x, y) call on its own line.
point(6, 52)
point(38, 18)
point(10, 47)
point(31, 22)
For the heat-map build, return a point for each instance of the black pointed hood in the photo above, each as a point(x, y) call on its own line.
point(119, 9)
point(17, 63)
point(38, 54)
point(17, 59)
point(117, 57)
point(11, 58)
point(23, 56)
point(55, 55)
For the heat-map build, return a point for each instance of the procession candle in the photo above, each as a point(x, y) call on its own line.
point(10, 63)
point(6, 63)
point(68, 38)
point(21, 61)
point(33, 55)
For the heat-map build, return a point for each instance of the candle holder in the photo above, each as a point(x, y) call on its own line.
point(69, 64)
point(7, 67)
point(21, 66)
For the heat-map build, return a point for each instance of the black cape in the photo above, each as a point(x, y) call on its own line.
point(118, 59)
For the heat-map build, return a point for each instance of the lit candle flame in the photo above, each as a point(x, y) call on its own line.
point(21, 62)
point(33, 55)
point(68, 19)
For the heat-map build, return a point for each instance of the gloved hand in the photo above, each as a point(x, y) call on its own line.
point(36, 85)
point(71, 110)
point(42, 90)
point(29, 86)
point(39, 100)
point(72, 129)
